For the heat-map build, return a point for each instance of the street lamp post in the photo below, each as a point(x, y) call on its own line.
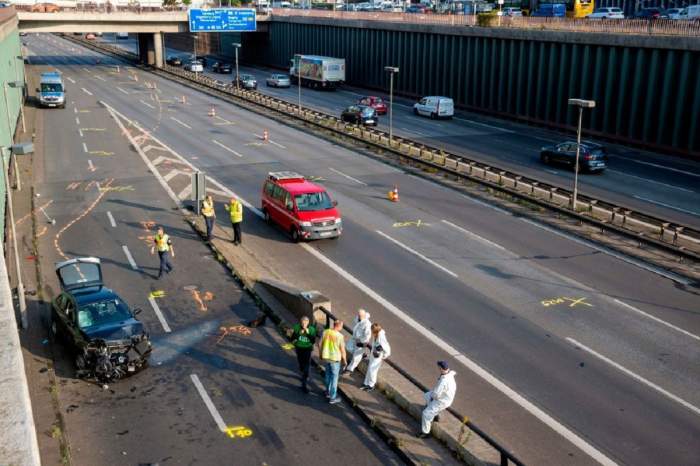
point(297, 70)
point(581, 104)
point(391, 70)
point(20, 85)
point(237, 46)
point(194, 53)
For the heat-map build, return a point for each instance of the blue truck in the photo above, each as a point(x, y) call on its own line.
point(52, 90)
point(552, 10)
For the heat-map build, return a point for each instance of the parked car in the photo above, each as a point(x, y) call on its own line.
point(90, 36)
point(673, 13)
point(247, 81)
point(360, 115)
point(301, 208)
point(417, 9)
point(220, 67)
point(435, 107)
point(202, 60)
point(512, 12)
point(649, 13)
point(278, 80)
point(607, 13)
point(690, 12)
point(98, 328)
point(377, 103)
point(173, 61)
point(194, 66)
point(592, 156)
point(122, 35)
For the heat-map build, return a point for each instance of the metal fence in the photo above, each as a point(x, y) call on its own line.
point(615, 26)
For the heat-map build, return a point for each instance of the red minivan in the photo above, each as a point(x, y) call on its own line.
point(300, 207)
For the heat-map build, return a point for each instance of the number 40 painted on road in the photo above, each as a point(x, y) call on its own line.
point(238, 431)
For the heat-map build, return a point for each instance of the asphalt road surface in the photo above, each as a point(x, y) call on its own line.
point(565, 353)
point(207, 398)
point(661, 185)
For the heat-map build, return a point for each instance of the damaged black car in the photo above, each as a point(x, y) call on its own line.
point(97, 326)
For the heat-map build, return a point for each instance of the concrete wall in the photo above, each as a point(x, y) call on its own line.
point(104, 22)
point(647, 88)
point(11, 69)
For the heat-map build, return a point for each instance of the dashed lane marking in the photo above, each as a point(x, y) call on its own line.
point(147, 104)
point(77, 120)
point(85, 149)
point(130, 258)
point(122, 90)
point(159, 315)
point(635, 376)
point(91, 167)
point(656, 319)
point(86, 91)
point(663, 204)
point(226, 148)
point(417, 254)
point(100, 78)
point(181, 123)
point(474, 235)
point(347, 176)
point(208, 403)
point(111, 219)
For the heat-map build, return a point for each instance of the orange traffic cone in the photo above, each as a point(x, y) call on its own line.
point(212, 112)
point(393, 195)
point(266, 136)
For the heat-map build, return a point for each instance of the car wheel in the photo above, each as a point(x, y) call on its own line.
point(545, 159)
point(433, 115)
point(53, 331)
point(415, 111)
point(296, 237)
point(266, 216)
point(80, 365)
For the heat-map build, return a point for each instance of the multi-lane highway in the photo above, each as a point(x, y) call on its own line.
point(565, 353)
point(655, 183)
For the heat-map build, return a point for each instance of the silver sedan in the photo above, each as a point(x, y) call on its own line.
point(278, 80)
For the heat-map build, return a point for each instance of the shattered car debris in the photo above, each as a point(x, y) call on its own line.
point(99, 328)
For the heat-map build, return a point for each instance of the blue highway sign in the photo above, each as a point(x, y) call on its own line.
point(222, 19)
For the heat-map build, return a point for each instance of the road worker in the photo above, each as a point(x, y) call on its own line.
point(303, 338)
point(209, 215)
point(164, 246)
point(235, 210)
point(379, 350)
point(361, 334)
point(332, 350)
point(438, 399)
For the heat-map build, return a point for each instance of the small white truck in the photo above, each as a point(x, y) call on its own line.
point(317, 72)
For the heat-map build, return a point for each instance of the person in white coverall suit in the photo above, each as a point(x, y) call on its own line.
point(361, 334)
point(439, 398)
point(379, 350)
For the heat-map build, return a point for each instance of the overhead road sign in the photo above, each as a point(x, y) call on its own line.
point(222, 20)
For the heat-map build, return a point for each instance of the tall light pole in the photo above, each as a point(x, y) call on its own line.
point(297, 70)
point(194, 52)
point(581, 104)
point(237, 46)
point(20, 85)
point(391, 70)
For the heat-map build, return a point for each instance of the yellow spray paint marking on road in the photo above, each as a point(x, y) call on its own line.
point(288, 346)
point(100, 153)
point(156, 294)
point(572, 302)
point(238, 432)
point(83, 111)
point(254, 144)
point(418, 223)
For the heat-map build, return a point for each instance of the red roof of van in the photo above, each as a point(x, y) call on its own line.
point(296, 186)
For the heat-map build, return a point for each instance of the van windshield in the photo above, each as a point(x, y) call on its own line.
point(310, 202)
point(51, 87)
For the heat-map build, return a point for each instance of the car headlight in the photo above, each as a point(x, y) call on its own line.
point(305, 224)
point(338, 221)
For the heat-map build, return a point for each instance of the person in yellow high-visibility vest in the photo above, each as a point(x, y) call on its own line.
point(209, 215)
point(162, 243)
point(332, 351)
point(235, 209)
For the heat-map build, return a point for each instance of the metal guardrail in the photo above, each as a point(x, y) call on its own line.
point(644, 229)
point(506, 457)
point(661, 27)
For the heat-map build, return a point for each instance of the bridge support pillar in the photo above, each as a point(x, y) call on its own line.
point(158, 49)
point(145, 48)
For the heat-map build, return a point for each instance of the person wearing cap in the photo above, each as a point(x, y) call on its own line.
point(235, 210)
point(439, 398)
point(379, 350)
point(361, 334)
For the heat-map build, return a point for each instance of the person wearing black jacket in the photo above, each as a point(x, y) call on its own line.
point(303, 338)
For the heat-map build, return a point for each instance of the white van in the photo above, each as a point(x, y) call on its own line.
point(435, 107)
point(690, 12)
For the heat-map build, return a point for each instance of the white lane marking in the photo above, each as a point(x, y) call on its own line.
point(91, 166)
point(497, 128)
point(697, 175)
point(419, 133)
point(100, 78)
point(86, 91)
point(208, 403)
point(97, 185)
point(86, 70)
point(662, 204)
point(147, 104)
point(347, 176)
point(647, 180)
point(75, 109)
point(185, 193)
point(553, 172)
point(417, 254)
point(70, 79)
point(130, 258)
point(159, 314)
point(183, 124)
point(85, 148)
point(474, 235)
point(77, 120)
point(80, 131)
point(474, 367)
point(171, 174)
point(226, 148)
point(612, 253)
point(111, 219)
point(638, 378)
point(122, 90)
point(277, 144)
point(656, 319)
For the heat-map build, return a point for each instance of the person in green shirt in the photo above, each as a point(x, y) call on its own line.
point(304, 337)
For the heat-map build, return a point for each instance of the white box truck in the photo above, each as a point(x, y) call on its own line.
point(317, 72)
